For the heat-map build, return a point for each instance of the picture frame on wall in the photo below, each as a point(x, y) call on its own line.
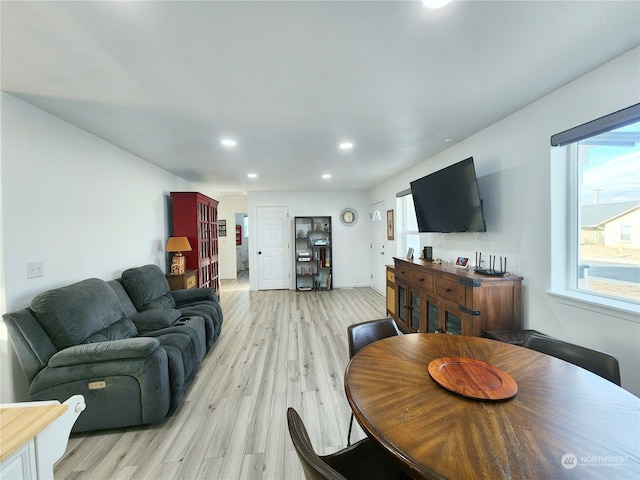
point(222, 228)
point(390, 225)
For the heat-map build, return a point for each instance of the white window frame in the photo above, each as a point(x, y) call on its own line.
point(405, 234)
point(565, 211)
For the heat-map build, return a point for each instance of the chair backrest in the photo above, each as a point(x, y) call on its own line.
point(599, 363)
point(362, 334)
point(314, 467)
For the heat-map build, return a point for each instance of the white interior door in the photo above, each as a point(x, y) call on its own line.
point(378, 241)
point(273, 248)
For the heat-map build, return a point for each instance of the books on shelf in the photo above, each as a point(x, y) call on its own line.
point(304, 255)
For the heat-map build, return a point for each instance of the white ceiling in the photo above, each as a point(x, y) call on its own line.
point(290, 80)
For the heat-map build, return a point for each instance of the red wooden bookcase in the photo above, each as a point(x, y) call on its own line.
point(195, 216)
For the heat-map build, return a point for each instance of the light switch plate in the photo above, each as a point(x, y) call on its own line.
point(34, 269)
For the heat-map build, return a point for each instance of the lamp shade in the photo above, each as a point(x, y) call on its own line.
point(178, 244)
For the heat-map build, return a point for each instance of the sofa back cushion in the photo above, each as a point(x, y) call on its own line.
point(73, 313)
point(127, 305)
point(148, 288)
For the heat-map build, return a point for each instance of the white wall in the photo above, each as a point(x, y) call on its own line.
point(350, 243)
point(512, 160)
point(6, 369)
point(82, 206)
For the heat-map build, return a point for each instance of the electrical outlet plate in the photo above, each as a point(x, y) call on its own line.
point(34, 270)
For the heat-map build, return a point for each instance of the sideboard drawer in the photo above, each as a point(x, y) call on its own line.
point(391, 275)
point(404, 274)
point(191, 281)
point(450, 290)
point(423, 280)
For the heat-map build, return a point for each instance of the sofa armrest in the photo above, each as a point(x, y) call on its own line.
point(155, 319)
point(187, 296)
point(105, 351)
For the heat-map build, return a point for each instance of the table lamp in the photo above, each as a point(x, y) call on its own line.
point(178, 245)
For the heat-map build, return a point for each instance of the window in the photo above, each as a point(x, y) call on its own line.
point(406, 225)
point(602, 244)
point(625, 233)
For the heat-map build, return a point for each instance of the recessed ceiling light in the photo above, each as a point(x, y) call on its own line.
point(227, 142)
point(345, 146)
point(252, 175)
point(433, 4)
point(326, 176)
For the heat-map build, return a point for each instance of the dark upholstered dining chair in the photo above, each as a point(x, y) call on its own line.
point(597, 362)
point(360, 335)
point(362, 460)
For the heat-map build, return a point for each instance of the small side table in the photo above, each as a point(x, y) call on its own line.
point(182, 281)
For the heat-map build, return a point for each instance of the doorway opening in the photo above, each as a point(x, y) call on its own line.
point(242, 245)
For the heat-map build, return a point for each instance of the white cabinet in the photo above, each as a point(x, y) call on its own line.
point(20, 465)
point(34, 436)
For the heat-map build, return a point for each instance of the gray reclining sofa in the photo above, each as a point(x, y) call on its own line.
point(131, 346)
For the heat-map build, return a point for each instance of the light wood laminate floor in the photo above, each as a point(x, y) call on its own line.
point(277, 349)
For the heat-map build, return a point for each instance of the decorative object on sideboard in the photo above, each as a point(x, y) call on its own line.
point(462, 262)
point(427, 253)
point(492, 266)
point(178, 245)
point(410, 254)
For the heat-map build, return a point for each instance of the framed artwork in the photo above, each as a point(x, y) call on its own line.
point(222, 228)
point(390, 225)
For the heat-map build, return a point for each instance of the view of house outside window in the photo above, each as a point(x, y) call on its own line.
point(609, 213)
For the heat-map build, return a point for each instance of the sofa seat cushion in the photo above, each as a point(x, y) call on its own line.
point(123, 328)
point(148, 288)
point(73, 313)
point(194, 327)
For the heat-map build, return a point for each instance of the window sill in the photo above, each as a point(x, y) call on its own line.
point(594, 303)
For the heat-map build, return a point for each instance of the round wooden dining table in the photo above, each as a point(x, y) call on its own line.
point(563, 422)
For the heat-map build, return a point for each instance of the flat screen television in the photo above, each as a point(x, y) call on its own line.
point(449, 200)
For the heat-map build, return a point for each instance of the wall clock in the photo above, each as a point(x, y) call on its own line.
point(349, 216)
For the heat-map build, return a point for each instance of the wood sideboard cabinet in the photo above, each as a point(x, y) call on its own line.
point(442, 298)
point(391, 290)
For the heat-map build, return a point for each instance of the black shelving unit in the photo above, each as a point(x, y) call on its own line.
point(313, 256)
